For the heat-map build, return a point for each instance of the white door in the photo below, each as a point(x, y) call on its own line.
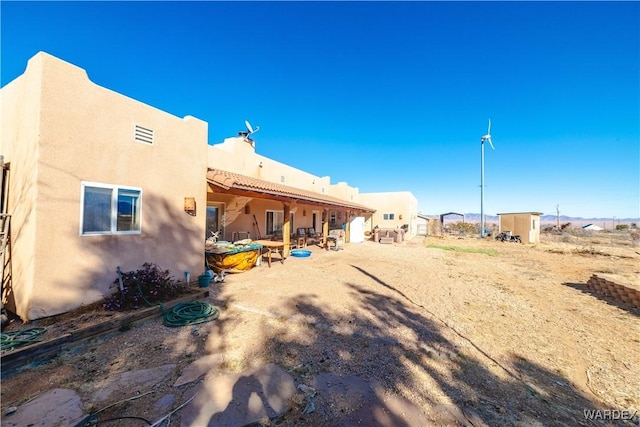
point(357, 230)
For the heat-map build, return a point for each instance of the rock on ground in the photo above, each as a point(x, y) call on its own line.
point(139, 379)
point(57, 407)
point(241, 398)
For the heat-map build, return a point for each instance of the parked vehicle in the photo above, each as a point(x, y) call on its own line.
point(506, 236)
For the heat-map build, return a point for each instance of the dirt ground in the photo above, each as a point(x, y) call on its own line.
point(509, 338)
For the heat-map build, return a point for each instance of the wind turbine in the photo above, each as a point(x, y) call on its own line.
point(487, 138)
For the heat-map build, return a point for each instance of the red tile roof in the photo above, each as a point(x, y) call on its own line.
point(235, 183)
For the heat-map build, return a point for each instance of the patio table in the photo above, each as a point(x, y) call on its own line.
point(272, 246)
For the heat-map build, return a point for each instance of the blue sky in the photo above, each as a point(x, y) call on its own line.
point(386, 96)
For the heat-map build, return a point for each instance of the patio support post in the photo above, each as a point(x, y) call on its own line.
point(286, 229)
point(325, 226)
point(347, 229)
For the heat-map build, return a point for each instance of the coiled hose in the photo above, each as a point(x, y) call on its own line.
point(184, 313)
point(10, 340)
point(190, 313)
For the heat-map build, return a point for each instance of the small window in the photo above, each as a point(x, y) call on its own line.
point(388, 216)
point(281, 178)
point(143, 135)
point(110, 209)
point(332, 218)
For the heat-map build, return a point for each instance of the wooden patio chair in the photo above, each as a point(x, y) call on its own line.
point(301, 238)
point(314, 236)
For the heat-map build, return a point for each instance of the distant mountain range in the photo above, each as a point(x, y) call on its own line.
point(547, 219)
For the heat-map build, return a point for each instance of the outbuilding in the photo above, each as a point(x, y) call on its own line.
point(524, 224)
point(592, 227)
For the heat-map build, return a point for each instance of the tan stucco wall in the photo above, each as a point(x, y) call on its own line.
point(401, 203)
point(521, 224)
point(19, 132)
point(86, 134)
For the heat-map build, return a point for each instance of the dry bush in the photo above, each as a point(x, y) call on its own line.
point(555, 251)
point(589, 250)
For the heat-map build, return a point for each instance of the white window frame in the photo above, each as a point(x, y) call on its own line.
point(114, 208)
point(388, 216)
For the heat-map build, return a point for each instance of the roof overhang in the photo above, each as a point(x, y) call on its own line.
point(241, 185)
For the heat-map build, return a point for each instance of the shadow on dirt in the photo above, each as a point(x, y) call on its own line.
point(355, 362)
point(390, 342)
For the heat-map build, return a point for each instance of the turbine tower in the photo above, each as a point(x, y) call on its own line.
point(487, 138)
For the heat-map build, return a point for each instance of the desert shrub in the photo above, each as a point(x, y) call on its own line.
point(589, 250)
point(622, 227)
point(555, 251)
point(463, 228)
point(566, 238)
point(578, 232)
point(150, 283)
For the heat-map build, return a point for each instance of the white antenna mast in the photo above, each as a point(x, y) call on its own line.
point(487, 138)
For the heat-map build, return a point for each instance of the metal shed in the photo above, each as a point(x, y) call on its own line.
point(524, 224)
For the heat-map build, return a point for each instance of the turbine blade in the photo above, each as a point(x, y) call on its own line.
point(490, 143)
point(489, 129)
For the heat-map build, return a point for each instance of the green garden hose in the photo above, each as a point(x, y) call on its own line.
point(184, 313)
point(190, 313)
point(9, 340)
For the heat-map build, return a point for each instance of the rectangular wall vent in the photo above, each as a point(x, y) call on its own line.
point(143, 135)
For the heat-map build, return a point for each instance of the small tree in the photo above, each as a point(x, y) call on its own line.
point(621, 227)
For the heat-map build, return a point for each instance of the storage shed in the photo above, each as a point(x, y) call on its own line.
point(524, 224)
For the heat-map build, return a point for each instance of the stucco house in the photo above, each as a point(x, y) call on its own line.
point(393, 210)
point(94, 180)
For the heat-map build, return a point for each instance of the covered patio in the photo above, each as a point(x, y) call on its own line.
point(251, 206)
